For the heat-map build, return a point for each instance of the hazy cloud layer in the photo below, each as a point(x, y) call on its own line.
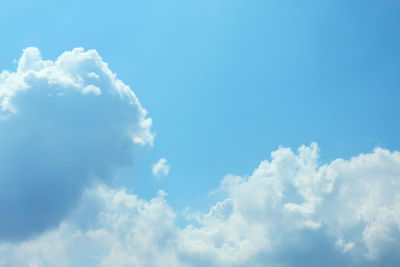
point(290, 212)
point(63, 124)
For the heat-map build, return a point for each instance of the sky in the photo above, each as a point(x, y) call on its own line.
point(199, 133)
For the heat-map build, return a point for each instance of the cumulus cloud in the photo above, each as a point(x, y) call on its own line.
point(105, 228)
point(63, 124)
point(291, 211)
point(160, 168)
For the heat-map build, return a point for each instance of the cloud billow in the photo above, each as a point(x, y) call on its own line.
point(345, 213)
point(63, 124)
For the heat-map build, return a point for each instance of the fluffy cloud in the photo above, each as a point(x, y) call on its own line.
point(105, 228)
point(290, 212)
point(160, 168)
point(63, 124)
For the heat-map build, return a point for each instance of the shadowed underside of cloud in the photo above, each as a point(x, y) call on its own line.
point(290, 212)
point(63, 124)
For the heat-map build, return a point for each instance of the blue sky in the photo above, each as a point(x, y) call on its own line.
point(228, 82)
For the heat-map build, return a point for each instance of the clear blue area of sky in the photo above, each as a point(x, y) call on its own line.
point(228, 81)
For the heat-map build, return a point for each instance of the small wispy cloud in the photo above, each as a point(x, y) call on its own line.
point(161, 168)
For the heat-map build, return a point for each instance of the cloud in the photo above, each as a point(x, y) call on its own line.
point(291, 211)
point(160, 168)
point(105, 228)
point(63, 124)
point(291, 208)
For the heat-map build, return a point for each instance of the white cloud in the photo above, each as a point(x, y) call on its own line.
point(63, 125)
point(108, 228)
point(290, 212)
point(91, 89)
point(160, 168)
